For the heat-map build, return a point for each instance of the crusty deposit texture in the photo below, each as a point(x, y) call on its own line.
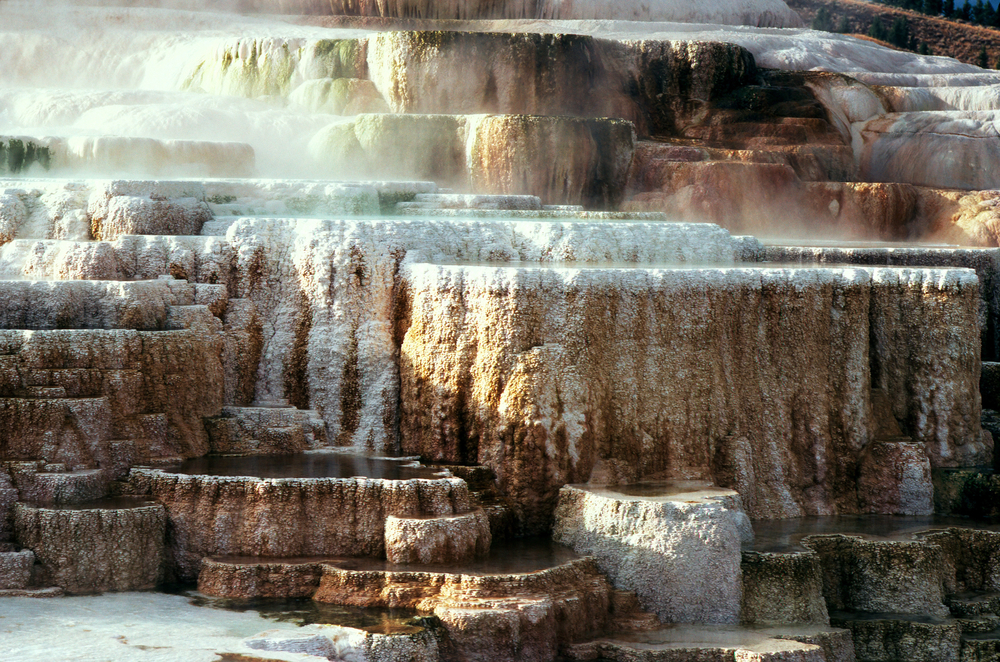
point(116, 397)
point(219, 515)
point(329, 295)
point(89, 551)
point(449, 540)
point(489, 618)
point(690, 543)
point(758, 377)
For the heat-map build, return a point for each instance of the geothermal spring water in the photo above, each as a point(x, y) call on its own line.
point(467, 331)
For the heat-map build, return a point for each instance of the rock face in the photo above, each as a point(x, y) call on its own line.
point(656, 85)
point(970, 559)
point(502, 618)
point(259, 578)
point(502, 154)
point(265, 430)
point(450, 540)
point(687, 541)
point(895, 478)
point(881, 577)
point(781, 589)
point(894, 147)
point(88, 304)
point(242, 516)
point(96, 549)
point(589, 358)
point(140, 215)
point(884, 639)
point(15, 569)
point(769, 13)
point(986, 263)
point(351, 310)
point(109, 399)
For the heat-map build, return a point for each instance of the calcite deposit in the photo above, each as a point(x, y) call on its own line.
point(111, 547)
point(687, 539)
point(531, 403)
point(429, 540)
point(245, 516)
point(347, 311)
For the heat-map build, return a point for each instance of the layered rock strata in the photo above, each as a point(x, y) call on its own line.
point(490, 617)
point(291, 517)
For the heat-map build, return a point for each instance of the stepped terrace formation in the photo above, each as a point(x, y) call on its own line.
point(410, 331)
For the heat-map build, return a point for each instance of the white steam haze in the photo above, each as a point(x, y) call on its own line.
point(71, 71)
point(77, 74)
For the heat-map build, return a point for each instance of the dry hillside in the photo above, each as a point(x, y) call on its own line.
point(957, 39)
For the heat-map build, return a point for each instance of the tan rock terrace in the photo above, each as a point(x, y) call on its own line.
point(530, 331)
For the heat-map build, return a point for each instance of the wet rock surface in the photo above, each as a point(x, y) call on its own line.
point(290, 517)
point(530, 314)
point(476, 396)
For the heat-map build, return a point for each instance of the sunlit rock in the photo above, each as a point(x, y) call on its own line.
point(576, 378)
point(504, 617)
point(438, 540)
point(245, 516)
point(647, 541)
point(898, 147)
point(126, 397)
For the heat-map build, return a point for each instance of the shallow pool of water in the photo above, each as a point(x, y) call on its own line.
point(316, 464)
point(785, 535)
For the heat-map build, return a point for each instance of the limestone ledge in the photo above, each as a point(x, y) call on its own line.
point(352, 310)
point(288, 517)
point(107, 399)
point(450, 540)
point(151, 157)
point(985, 262)
point(875, 576)
point(504, 618)
point(91, 304)
point(657, 83)
point(95, 549)
point(491, 154)
point(782, 589)
point(313, 287)
point(519, 368)
point(686, 538)
point(265, 430)
point(896, 147)
point(251, 578)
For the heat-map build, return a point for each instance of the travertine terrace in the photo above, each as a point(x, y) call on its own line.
point(493, 331)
